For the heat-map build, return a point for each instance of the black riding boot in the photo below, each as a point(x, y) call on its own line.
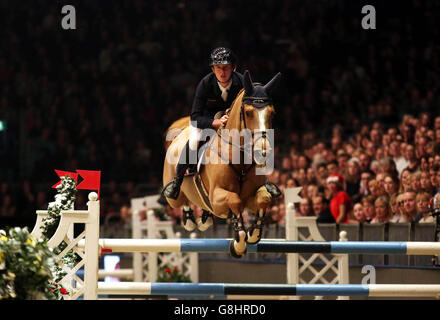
point(172, 189)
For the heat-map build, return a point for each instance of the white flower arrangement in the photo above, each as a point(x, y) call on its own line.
point(64, 200)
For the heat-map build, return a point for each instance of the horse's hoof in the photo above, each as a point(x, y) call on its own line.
point(237, 246)
point(188, 221)
point(254, 236)
point(233, 252)
point(189, 225)
point(204, 226)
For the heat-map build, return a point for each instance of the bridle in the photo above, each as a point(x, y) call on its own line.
point(246, 148)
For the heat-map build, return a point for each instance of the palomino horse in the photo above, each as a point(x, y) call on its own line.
point(222, 185)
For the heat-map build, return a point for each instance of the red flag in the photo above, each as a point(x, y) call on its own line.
point(65, 173)
point(92, 180)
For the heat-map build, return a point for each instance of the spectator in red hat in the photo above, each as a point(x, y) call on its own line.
point(340, 202)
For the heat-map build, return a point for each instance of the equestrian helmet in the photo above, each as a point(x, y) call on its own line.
point(222, 55)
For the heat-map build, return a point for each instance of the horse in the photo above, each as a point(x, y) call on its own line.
point(221, 186)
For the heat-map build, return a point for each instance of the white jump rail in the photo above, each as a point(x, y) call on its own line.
point(87, 246)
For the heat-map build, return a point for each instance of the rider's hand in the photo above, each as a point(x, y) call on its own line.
point(217, 123)
point(224, 119)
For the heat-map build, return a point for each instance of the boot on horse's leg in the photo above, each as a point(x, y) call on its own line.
point(273, 189)
point(256, 230)
point(237, 247)
point(188, 220)
point(172, 189)
point(205, 221)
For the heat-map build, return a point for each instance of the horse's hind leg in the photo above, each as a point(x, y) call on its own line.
point(223, 201)
point(188, 219)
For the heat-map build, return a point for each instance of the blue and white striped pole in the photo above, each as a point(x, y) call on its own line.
point(229, 289)
point(283, 246)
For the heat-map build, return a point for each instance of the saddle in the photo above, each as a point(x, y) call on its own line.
point(193, 169)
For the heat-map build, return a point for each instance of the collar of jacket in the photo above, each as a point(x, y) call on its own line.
point(235, 83)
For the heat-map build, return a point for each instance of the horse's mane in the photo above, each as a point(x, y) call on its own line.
point(234, 113)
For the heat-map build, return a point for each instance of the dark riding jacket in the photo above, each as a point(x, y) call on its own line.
point(208, 99)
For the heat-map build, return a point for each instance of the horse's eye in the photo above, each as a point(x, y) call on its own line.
point(249, 110)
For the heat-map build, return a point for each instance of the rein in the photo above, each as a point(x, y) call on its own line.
point(258, 103)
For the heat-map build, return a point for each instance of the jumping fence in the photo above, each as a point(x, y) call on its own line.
point(89, 247)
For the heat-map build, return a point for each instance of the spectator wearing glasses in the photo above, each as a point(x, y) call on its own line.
point(398, 211)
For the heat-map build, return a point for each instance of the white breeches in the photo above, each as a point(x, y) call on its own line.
point(194, 137)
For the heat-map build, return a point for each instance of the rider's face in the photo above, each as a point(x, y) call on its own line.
point(223, 72)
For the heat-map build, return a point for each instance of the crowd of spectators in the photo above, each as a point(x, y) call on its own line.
point(100, 97)
point(381, 174)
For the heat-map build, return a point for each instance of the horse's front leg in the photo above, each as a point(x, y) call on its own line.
point(258, 204)
point(224, 201)
point(205, 221)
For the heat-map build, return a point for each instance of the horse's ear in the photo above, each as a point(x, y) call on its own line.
point(248, 86)
point(272, 84)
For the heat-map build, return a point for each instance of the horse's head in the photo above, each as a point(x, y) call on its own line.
point(257, 112)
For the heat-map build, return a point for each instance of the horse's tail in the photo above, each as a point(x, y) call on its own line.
point(174, 129)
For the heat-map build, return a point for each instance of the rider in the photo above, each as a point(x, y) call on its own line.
point(215, 92)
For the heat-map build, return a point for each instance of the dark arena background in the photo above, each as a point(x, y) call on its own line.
point(357, 98)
